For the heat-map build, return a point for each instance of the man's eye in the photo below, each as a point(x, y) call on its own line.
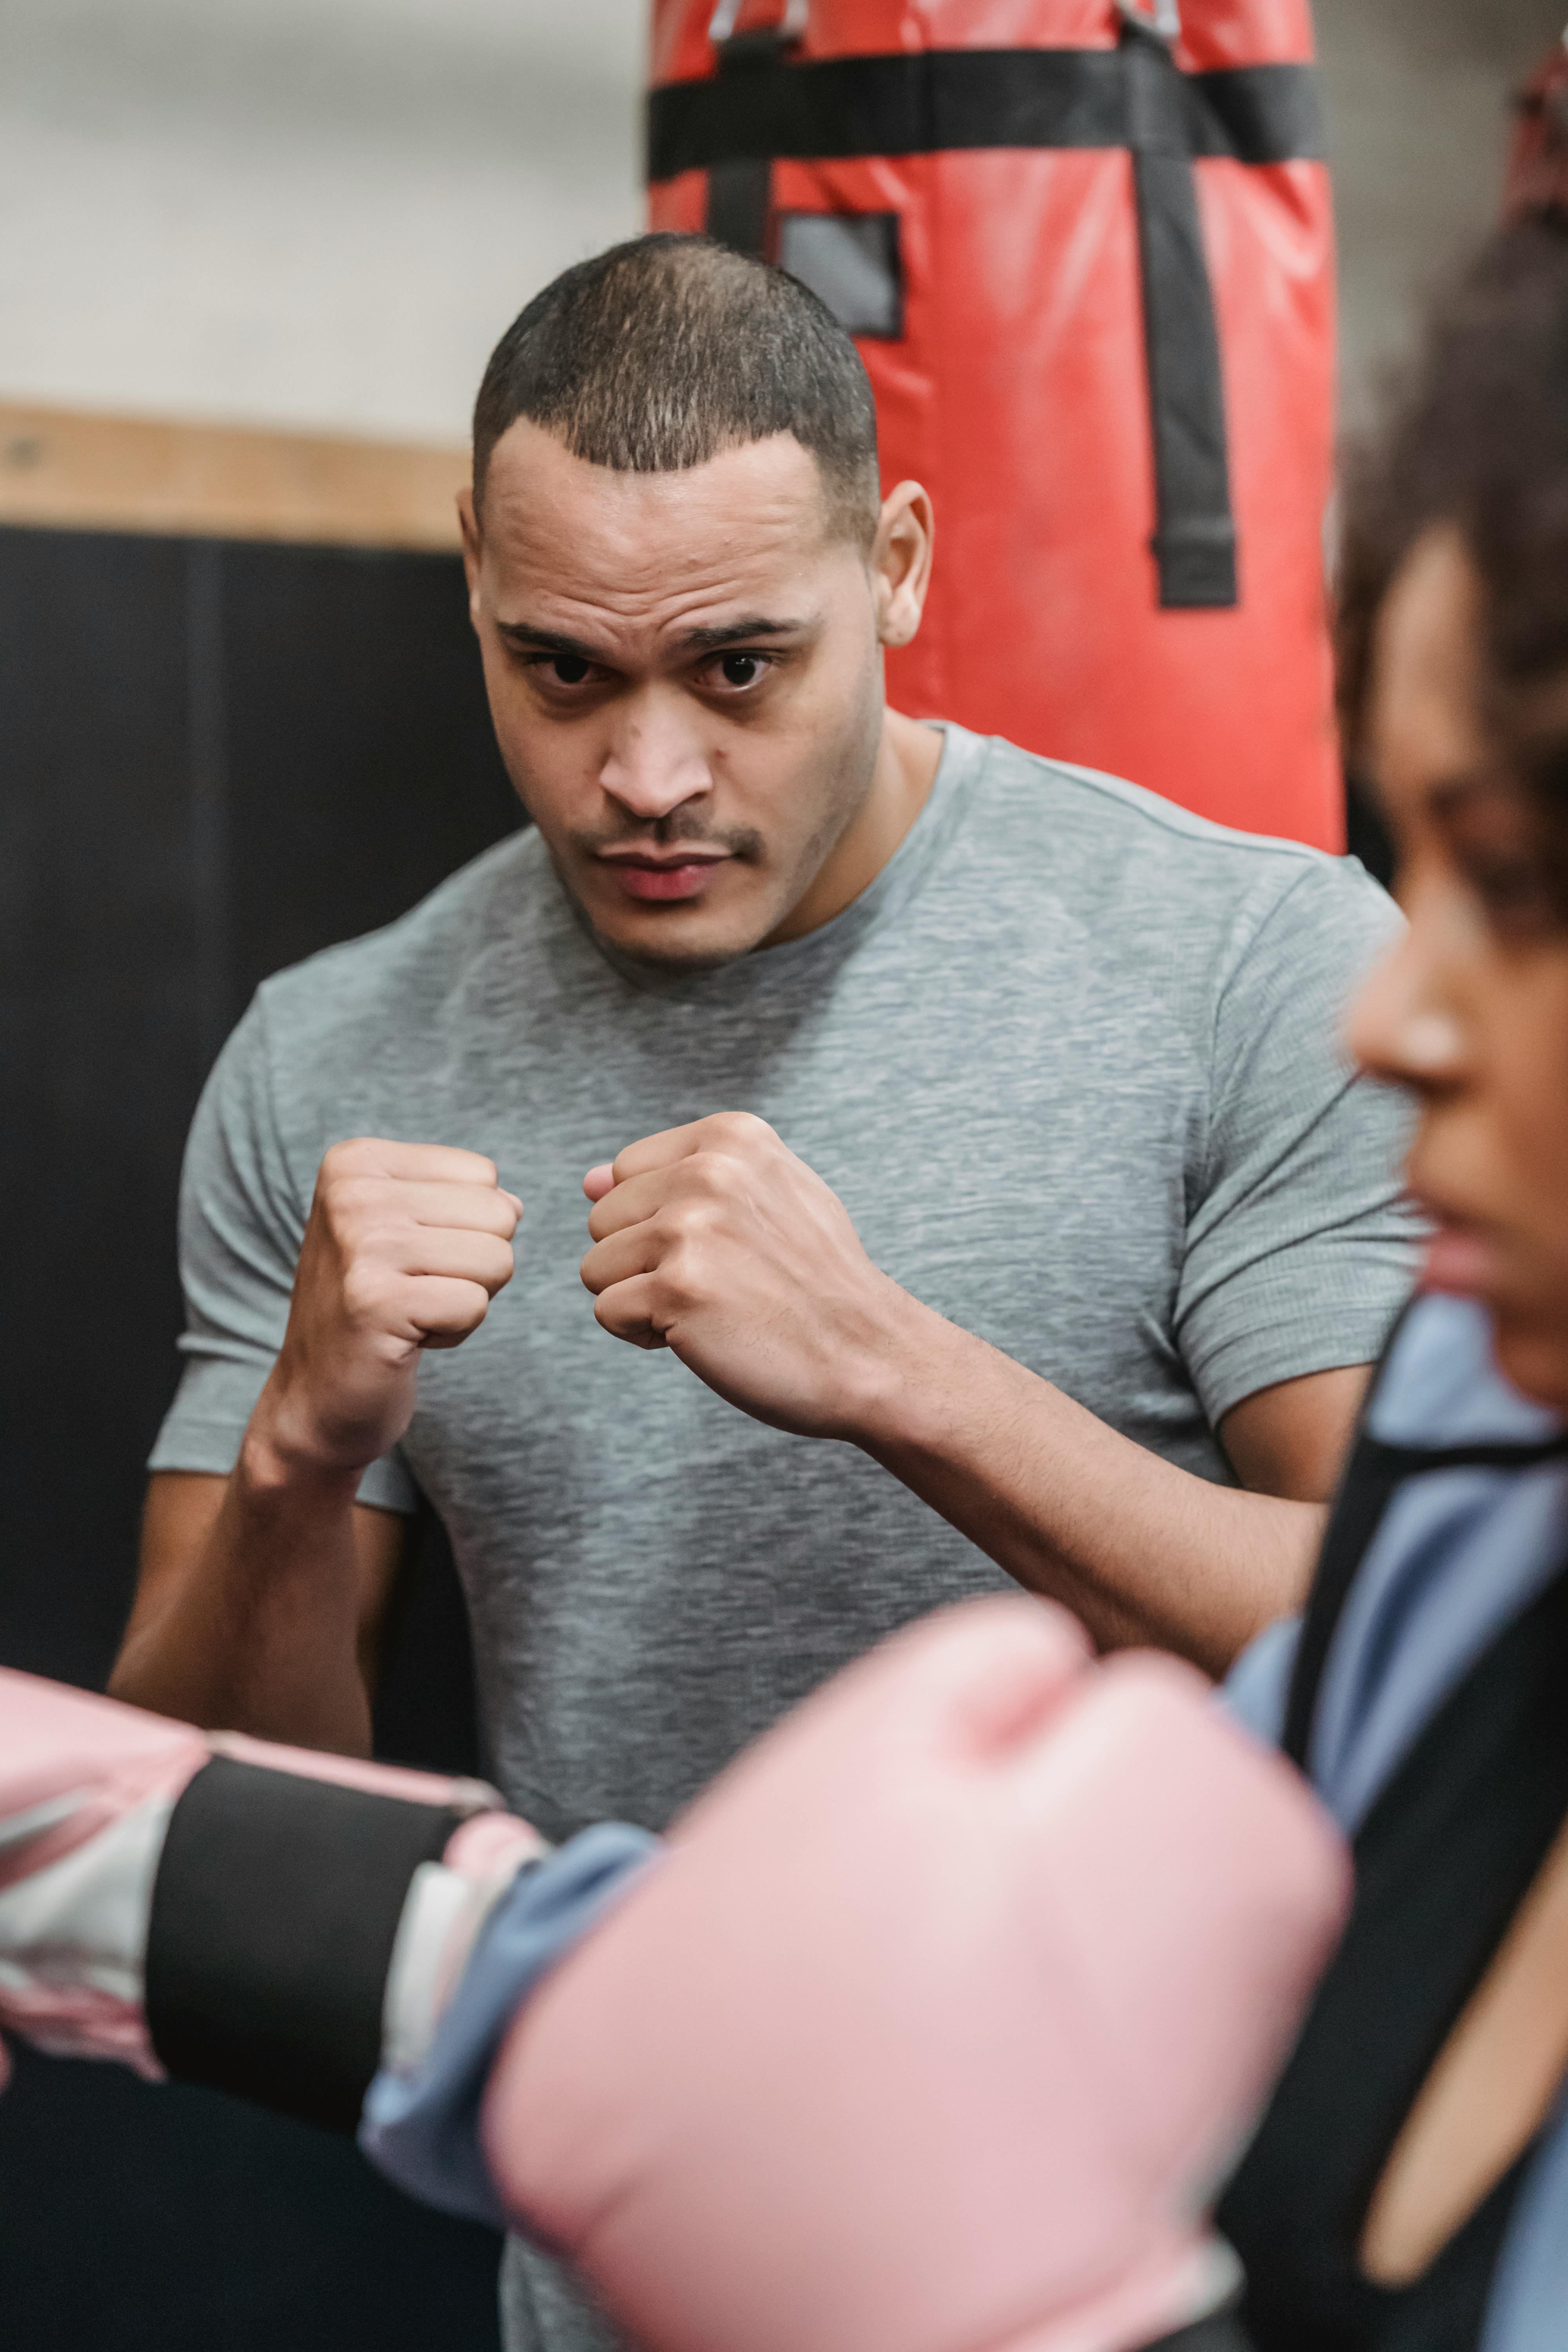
point(741, 669)
point(569, 669)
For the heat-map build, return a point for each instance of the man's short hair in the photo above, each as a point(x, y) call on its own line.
point(662, 353)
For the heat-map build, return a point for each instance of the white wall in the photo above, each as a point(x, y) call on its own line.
point(1418, 116)
point(304, 211)
point(323, 212)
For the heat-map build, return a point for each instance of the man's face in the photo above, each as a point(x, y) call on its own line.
point(685, 676)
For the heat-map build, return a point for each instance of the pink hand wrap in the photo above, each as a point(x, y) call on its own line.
point(936, 2025)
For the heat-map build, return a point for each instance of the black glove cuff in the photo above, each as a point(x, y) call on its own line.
point(273, 1915)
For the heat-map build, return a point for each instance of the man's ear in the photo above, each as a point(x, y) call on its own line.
point(900, 562)
point(469, 524)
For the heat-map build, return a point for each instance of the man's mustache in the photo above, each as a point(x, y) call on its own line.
point(672, 832)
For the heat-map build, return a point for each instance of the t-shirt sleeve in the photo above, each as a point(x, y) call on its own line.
point(1300, 1244)
point(242, 1219)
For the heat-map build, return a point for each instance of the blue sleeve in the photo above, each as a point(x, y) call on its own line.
point(422, 2130)
point(1258, 1686)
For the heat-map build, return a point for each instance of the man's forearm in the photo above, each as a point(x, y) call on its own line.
point(1141, 1551)
point(258, 1632)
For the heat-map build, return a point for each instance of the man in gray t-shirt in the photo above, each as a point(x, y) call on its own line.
point(1043, 1231)
point(1069, 1063)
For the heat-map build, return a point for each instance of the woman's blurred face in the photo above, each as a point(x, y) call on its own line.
point(1470, 1011)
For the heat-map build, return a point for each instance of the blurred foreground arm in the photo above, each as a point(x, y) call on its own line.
point(933, 2025)
point(271, 1921)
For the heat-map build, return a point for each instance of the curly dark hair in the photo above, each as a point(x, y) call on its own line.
point(1481, 442)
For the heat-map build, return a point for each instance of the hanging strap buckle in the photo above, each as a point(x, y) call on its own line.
point(1163, 17)
point(727, 15)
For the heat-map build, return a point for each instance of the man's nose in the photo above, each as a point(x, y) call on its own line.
point(1403, 1025)
point(654, 764)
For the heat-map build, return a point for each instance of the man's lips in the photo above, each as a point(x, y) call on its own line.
point(686, 875)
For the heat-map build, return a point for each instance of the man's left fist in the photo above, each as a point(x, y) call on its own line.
point(716, 1241)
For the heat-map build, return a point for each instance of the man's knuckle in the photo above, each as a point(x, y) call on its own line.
point(360, 1160)
point(349, 1196)
point(707, 1178)
point(365, 1292)
point(680, 1285)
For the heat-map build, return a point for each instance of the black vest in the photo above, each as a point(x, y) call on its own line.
point(1443, 1860)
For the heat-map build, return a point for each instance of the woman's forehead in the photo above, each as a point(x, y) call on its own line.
point(1426, 730)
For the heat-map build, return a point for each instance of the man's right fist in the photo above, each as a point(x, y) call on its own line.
point(406, 1245)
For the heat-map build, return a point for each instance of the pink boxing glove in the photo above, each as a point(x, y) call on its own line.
point(290, 1919)
point(936, 2027)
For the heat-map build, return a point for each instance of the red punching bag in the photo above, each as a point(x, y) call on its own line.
point(1088, 259)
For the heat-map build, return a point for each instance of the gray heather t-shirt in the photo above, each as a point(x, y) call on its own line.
point(1072, 1064)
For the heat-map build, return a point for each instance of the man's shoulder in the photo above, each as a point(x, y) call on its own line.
point(390, 978)
point(1113, 847)
point(1085, 810)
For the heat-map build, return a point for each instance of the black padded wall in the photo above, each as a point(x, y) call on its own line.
point(213, 757)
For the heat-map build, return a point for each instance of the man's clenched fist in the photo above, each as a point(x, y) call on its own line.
point(715, 1241)
point(406, 1245)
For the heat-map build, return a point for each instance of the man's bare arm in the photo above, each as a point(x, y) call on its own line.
point(261, 1614)
point(715, 1241)
point(1143, 1551)
point(262, 1596)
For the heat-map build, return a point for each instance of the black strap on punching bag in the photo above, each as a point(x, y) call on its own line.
point(740, 187)
point(1195, 532)
point(762, 104)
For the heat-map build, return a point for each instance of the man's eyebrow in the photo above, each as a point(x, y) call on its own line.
point(523, 635)
point(549, 641)
point(737, 632)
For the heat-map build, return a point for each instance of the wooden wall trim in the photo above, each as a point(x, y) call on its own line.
point(78, 471)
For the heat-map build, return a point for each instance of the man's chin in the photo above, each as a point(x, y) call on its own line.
point(693, 936)
point(674, 939)
point(666, 956)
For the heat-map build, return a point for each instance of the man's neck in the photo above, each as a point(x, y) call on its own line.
point(907, 761)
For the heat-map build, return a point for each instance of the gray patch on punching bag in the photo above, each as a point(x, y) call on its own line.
point(851, 261)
